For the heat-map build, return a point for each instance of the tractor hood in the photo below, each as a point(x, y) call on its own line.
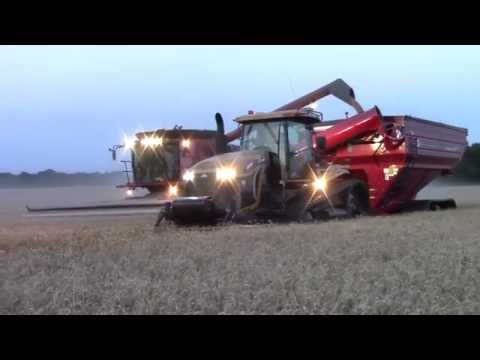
point(243, 162)
point(242, 188)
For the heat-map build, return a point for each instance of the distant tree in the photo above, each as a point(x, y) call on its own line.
point(469, 167)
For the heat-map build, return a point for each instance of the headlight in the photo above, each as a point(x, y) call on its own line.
point(188, 176)
point(320, 184)
point(148, 141)
point(173, 190)
point(186, 143)
point(129, 142)
point(129, 192)
point(226, 174)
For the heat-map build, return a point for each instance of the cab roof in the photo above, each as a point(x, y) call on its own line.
point(304, 115)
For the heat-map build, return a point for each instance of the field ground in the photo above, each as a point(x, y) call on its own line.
point(417, 263)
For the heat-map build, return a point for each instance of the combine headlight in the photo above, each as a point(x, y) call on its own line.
point(129, 192)
point(320, 184)
point(173, 190)
point(226, 174)
point(188, 176)
point(129, 142)
point(186, 143)
point(151, 141)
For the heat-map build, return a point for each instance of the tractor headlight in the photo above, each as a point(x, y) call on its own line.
point(226, 174)
point(173, 190)
point(189, 175)
point(320, 184)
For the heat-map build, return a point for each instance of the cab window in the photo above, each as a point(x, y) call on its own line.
point(261, 136)
point(300, 150)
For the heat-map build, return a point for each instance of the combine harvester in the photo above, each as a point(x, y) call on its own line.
point(159, 158)
point(292, 165)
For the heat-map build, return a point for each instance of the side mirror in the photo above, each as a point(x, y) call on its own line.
point(114, 154)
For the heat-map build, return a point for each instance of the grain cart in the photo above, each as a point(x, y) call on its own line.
point(292, 165)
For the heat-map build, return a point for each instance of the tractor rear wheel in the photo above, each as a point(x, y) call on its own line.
point(356, 201)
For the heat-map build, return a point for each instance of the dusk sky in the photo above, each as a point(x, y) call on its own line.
point(61, 107)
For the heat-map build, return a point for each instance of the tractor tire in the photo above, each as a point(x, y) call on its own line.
point(356, 200)
point(296, 210)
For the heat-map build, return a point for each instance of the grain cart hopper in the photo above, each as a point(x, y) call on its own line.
point(293, 165)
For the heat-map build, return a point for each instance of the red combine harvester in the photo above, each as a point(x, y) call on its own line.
point(293, 165)
point(160, 157)
point(158, 161)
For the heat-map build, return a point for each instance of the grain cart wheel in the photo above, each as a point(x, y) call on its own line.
point(356, 200)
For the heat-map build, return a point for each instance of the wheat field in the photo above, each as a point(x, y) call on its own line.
point(416, 263)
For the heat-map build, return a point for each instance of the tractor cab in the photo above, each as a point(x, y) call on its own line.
point(286, 136)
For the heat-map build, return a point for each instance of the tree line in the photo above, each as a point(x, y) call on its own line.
point(468, 170)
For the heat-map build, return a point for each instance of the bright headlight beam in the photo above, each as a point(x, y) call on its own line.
point(186, 143)
point(188, 176)
point(148, 141)
point(173, 190)
point(129, 142)
point(320, 184)
point(226, 174)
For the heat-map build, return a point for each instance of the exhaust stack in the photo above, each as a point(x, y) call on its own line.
point(221, 139)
